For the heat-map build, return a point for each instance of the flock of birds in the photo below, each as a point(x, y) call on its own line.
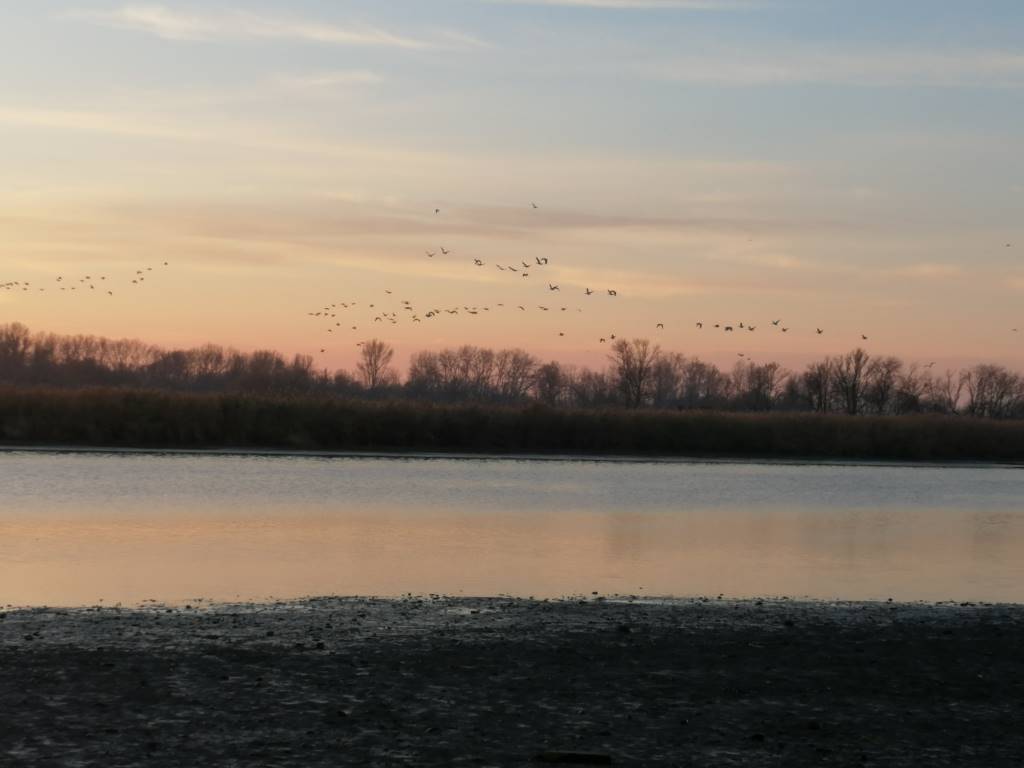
point(389, 313)
point(86, 283)
point(406, 311)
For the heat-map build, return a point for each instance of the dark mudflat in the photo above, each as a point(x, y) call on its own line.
point(511, 682)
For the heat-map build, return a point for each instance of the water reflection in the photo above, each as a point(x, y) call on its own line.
point(77, 529)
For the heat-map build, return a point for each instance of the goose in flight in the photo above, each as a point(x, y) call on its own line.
point(612, 293)
point(819, 331)
point(535, 206)
point(865, 338)
point(602, 341)
point(661, 325)
point(589, 292)
point(437, 211)
point(553, 287)
point(776, 322)
point(728, 328)
point(542, 260)
point(444, 251)
point(430, 255)
point(785, 330)
point(478, 262)
point(700, 326)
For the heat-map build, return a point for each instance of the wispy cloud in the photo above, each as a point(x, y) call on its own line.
point(196, 26)
point(928, 271)
point(637, 5)
point(329, 79)
point(94, 122)
point(976, 68)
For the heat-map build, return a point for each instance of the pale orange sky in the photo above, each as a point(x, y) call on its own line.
point(282, 163)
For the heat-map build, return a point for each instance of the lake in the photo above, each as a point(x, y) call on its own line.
point(81, 528)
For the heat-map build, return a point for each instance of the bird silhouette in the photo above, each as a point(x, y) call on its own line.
point(553, 287)
point(589, 292)
point(661, 325)
point(700, 326)
point(429, 254)
point(444, 251)
point(612, 293)
point(819, 331)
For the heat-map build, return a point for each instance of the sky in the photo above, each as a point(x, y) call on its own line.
point(854, 167)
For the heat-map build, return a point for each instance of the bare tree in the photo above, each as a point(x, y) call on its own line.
point(514, 373)
point(880, 385)
point(992, 391)
point(633, 367)
point(549, 383)
point(848, 374)
point(817, 385)
point(375, 365)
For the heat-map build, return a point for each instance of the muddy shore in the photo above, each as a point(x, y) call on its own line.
point(503, 682)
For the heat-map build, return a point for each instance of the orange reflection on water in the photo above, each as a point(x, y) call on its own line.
point(174, 556)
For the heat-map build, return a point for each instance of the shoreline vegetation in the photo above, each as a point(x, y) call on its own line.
point(500, 681)
point(130, 418)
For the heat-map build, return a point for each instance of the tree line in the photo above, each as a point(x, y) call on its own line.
point(639, 375)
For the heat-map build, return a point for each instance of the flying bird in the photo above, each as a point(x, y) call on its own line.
point(612, 293)
point(819, 331)
point(661, 325)
point(553, 287)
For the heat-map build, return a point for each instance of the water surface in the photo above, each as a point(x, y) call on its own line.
point(80, 528)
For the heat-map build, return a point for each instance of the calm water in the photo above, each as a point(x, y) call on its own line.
point(80, 528)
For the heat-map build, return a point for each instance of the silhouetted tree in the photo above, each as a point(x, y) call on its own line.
point(375, 365)
point(633, 368)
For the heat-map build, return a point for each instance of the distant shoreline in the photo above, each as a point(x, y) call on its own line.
point(398, 455)
point(116, 419)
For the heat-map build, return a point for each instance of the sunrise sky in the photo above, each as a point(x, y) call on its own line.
point(854, 166)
